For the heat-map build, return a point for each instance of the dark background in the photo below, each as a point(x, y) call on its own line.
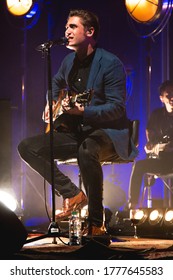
point(23, 85)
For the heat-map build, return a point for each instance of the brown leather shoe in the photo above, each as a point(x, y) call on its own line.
point(94, 231)
point(70, 204)
point(98, 234)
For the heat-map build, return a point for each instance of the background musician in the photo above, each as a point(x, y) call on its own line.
point(159, 146)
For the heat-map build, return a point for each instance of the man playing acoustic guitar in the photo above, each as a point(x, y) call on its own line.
point(159, 148)
point(103, 130)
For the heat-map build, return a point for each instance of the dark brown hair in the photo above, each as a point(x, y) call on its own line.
point(89, 20)
point(166, 86)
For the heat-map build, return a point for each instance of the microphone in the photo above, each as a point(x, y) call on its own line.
point(49, 44)
point(60, 41)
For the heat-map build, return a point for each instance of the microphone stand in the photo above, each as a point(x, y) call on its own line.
point(53, 229)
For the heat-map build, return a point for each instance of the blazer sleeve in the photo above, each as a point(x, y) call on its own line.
point(108, 104)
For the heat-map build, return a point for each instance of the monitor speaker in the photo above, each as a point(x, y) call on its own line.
point(13, 234)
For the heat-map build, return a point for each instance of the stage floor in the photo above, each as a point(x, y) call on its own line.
point(125, 247)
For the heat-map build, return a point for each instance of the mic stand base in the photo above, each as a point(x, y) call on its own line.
point(53, 231)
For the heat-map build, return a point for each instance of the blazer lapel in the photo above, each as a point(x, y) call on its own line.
point(94, 69)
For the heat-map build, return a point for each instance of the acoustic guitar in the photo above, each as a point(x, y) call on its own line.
point(63, 121)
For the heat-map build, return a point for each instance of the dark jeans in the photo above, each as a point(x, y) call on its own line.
point(89, 147)
point(163, 165)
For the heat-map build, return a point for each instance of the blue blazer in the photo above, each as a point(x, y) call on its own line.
point(107, 110)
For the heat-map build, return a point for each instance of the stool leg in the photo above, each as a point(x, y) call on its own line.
point(80, 188)
point(148, 183)
point(143, 196)
point(80, 181)
point(149, 198)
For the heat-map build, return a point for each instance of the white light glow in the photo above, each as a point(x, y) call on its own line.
point(139, 215)
point(169, 216)
point(8, 200)
point(19, 7)
point(155, 216)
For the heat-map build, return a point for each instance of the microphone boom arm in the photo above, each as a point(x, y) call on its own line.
point(47, 45)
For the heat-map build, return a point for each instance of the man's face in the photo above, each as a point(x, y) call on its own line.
point(167, 99)
point(75, 33)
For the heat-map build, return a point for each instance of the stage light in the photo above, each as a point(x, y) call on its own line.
point(152, 226)
point(148, 17)
point(146, 222)
point(143, 10)
point(138, 215)
point(157, 224)
point(168, 217)
point(153, 223)
point(8, 200)
point(19, 7)
point(155, 216)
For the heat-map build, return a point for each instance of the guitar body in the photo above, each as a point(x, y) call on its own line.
point(64, 122)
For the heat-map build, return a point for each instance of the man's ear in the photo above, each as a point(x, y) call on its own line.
point(90, 31)
point(161, 98)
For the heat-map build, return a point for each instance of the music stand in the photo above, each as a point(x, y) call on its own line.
point(53, 229)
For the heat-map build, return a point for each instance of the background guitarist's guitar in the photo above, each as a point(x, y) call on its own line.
point(66, 122)
point(157, 148)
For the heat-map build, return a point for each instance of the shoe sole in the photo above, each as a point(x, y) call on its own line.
point(103, 239)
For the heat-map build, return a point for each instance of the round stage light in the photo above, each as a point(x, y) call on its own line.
point(148, 17)
point(138, 216)
point(141, 216)
point(143, 11)
point(168, 218)
point(155, 216)
point(19, 7)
